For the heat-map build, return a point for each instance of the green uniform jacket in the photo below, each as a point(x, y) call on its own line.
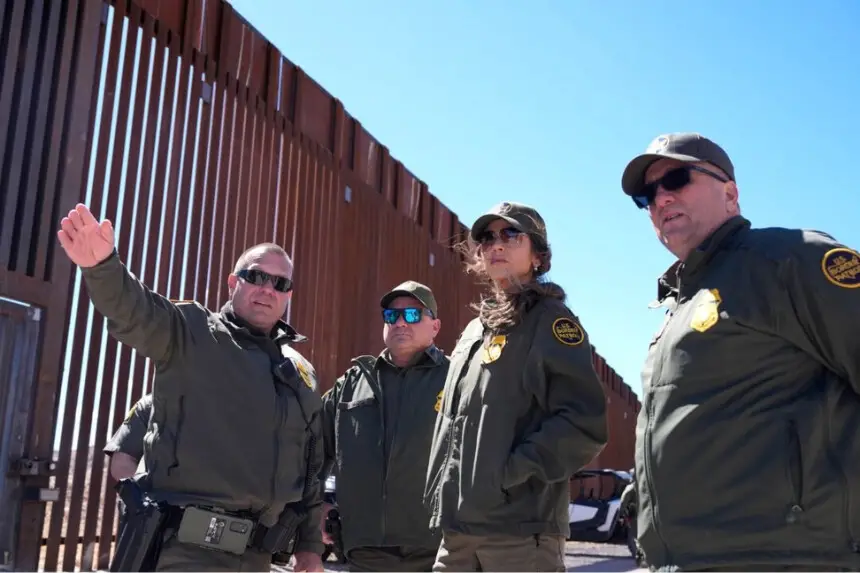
point(747, 449)
point(225, 431)
point(520, 414)
point(381, 501)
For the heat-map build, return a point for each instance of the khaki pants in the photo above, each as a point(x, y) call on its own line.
point(391, 559)
point(176, 556)
point(460, 552)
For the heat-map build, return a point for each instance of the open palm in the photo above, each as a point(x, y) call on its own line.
point(87, 242)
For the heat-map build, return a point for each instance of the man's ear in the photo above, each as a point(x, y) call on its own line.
point(231, 283)
point(437, 326)
point(732, 194)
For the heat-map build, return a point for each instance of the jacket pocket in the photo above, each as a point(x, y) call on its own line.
point(794, 466)
point(180, 420)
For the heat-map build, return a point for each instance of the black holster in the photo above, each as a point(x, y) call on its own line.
point(281, 538)
point(139, 543)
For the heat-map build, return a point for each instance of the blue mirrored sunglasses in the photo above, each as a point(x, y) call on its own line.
point(411, 315)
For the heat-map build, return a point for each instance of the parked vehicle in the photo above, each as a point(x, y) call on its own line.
point(595, 512)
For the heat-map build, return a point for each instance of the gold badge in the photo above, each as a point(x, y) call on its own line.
point(303, 372)
point(707, 311)
point(130, 414)
point(438, 405)
point(493, 349)
point(567, 332)
point(841, 266)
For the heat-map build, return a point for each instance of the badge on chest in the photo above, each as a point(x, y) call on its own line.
point(492, 350)
point(707, 311)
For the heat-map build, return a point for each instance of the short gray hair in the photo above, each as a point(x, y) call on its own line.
point(242, 261)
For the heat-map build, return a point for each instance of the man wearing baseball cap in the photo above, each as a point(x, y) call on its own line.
point(747, 449)
point(378, 424)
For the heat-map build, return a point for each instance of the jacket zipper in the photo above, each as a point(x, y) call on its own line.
point(375, 382)
point(649, 476)
point(795, 468)
point(179, 424)
point(280, 424)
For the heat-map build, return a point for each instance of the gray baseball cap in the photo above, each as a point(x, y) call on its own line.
point(520, 216)
point(416, 290)
point(686, 147)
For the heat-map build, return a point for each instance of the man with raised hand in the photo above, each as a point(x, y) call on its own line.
point(234, 447)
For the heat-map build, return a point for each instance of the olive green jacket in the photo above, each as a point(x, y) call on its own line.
point(235, 414)
point(381, 501)
point(747, 450)
point(521, 412)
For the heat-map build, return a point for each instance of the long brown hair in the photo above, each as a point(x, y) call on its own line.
point(501, 309)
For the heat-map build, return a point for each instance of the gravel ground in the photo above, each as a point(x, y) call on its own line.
point(580, 557)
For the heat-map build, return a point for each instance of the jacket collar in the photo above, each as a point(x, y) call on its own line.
point(698, 259)
point(429, 356)
point(282, 332)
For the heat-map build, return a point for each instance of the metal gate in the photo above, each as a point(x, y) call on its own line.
point(180, 123)
point(19, 343)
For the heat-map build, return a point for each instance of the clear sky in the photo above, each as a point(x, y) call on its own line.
point(545, 101)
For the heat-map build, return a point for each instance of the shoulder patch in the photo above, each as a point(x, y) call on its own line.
point(130, 414)
point(841, 266)
point(567, 331)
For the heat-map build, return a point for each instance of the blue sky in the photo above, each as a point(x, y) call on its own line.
point(545, 102)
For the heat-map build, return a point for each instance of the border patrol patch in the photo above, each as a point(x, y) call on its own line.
point(841, 266)
point(567, 331)
point(707, 311)
point(303, 372)
point(493, 349)
point(438, 405)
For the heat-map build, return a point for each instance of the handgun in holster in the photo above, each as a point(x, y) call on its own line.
point(333, 528)
point(139, 543)
point(281, 538)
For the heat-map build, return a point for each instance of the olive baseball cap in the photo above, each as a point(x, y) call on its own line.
point(521, 217)
point(416, 290)
point(686, 147)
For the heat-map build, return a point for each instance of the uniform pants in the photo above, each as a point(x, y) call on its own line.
point(403, 558)
point(176, 556)
point(461, 552)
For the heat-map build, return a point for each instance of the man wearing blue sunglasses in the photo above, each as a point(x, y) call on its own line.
point(747, 457)
point(378, 424)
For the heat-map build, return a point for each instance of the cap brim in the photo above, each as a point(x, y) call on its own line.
point(634, 173)
point(386, 300)
point(482, 222)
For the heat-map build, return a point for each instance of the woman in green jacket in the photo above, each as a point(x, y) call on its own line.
point(522, 409)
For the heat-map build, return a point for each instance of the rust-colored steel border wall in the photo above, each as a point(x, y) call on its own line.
point(196, 137)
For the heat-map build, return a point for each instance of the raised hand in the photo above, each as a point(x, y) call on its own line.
point(86, 241)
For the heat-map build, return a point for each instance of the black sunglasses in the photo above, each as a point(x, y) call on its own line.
point(411, 315)
point(488, 238)
point(672, 181)
point(260, 278)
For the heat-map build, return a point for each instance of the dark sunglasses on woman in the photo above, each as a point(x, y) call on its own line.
point(488, 238)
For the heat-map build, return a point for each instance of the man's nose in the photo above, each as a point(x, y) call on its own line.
point(663, 197)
